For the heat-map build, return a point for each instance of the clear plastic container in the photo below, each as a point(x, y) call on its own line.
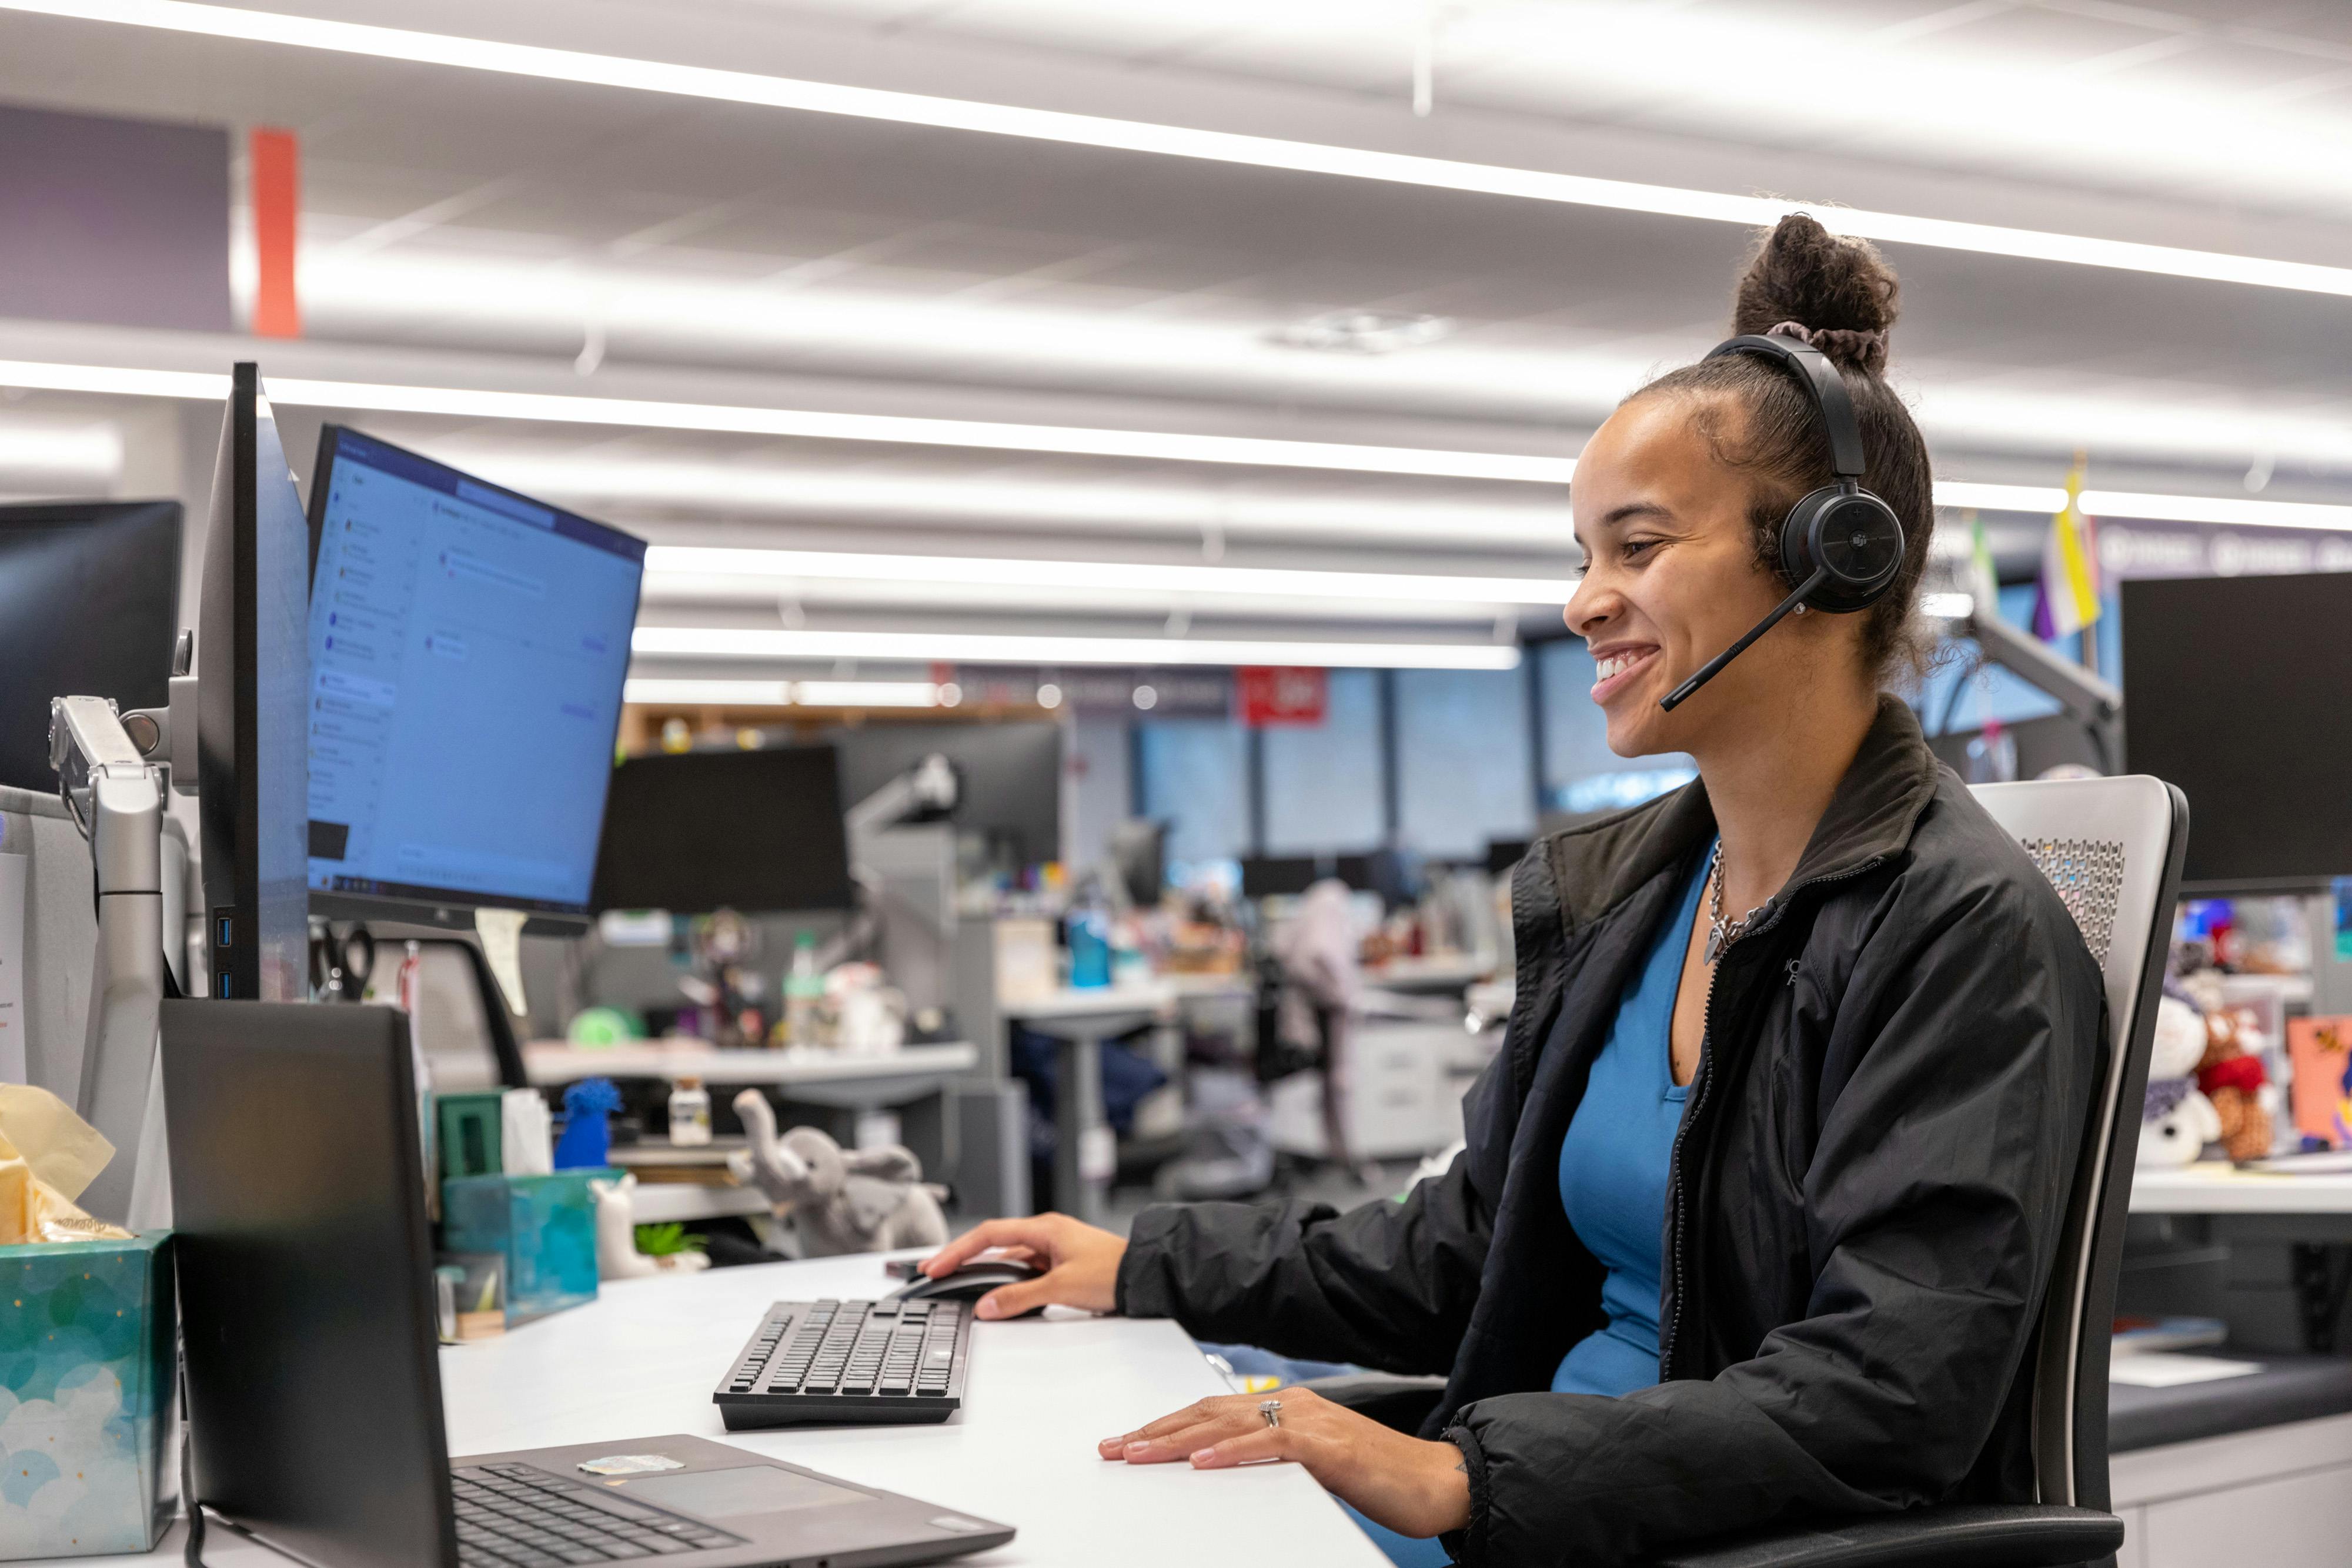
point(803, 993)
point(689, 1113)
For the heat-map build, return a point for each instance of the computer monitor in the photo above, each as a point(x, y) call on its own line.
point(1139, 851)
point(89, 606)
point(1010, 777)
point(1273, 877)
point(469, 646)
point(253, 665)
point(2239, 690)
point(754, 831)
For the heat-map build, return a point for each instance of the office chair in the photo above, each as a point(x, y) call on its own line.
point(2113, 849)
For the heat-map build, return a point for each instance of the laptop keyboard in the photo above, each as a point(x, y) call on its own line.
point(516, 1516)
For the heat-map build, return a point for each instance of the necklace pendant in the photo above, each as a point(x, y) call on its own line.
point(1714, 946)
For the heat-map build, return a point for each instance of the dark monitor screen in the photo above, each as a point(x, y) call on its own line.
point(89, 606)
point(754, 831)
point(2239, 690)
point(1011, 776)
point(469, 646)
point(1270, 876)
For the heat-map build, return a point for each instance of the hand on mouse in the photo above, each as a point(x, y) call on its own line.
point(1081, 1263)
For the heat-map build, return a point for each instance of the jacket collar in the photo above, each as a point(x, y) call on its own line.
point(1877, 804)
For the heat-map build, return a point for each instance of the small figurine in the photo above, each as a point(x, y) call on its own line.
point(861, 1200)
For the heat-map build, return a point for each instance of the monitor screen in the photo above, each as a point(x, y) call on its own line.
point(467, 647)
point(89, 606)
point(2239, 690)
point(1010, 774)
point(754, 831)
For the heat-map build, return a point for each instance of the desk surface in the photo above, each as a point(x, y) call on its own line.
point(1154, 996)
point(554, 1061)
point(642, 1360)
point(2215, 1187)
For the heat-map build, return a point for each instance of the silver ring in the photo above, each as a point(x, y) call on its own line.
point(1272, 1410)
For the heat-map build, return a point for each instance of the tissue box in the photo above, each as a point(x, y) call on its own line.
point(87, 1396)
point(543, 1225)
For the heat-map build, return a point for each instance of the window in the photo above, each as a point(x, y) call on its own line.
point(1462, 760)
point(1194, 776)
point(1323, 781)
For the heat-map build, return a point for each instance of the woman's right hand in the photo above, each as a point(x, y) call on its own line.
point(1081, 1263)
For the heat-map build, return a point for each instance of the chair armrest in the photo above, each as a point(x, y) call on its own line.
point(1989, 1535)
point(1399, 1403)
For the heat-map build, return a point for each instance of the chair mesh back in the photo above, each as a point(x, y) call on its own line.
point(2111, 849)
point(2089, 876)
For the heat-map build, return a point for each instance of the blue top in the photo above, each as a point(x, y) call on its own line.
point(1614, 1162)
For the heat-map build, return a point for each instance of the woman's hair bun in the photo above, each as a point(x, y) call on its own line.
point(1841, 290)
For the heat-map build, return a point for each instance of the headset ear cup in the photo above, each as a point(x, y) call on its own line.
point(1852, 533)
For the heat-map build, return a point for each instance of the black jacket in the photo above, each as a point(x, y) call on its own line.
point(1865, 1203)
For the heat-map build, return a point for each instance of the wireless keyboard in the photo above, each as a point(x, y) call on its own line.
point(838, 1362)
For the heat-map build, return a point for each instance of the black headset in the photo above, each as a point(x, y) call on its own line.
point(1841, 546)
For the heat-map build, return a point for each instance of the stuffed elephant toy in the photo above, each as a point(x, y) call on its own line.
point(861, 1200)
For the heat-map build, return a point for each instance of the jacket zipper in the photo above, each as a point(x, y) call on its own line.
point(1671, 1334)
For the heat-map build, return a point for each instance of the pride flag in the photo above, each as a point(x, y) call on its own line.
point(2069, 599)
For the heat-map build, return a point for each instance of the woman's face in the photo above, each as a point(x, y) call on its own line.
point(1671, 581)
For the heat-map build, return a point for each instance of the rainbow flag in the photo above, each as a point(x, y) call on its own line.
point(2069, 599)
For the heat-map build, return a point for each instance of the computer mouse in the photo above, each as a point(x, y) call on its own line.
point(971, 1283)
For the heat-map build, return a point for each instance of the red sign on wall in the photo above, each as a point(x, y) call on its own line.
point(1278, 695)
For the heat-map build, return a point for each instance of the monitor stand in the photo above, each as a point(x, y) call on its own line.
point(498, 1019)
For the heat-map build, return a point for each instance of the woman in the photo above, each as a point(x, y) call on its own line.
point(1756, 1209)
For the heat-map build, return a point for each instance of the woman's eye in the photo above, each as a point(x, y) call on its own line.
point(1634, 550)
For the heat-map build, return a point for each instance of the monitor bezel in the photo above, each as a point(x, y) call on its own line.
point(453, 908)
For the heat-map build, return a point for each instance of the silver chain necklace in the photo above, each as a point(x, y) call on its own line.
point(1722, 933)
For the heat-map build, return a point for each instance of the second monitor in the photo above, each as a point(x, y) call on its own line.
point(754, 831)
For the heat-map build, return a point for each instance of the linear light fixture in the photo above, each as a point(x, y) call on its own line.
point(479, 403)
point(995, 648)
point(470, 402)
point(2240, 511)
point(780, 694)
point(1112, 576)
point(1172, 140)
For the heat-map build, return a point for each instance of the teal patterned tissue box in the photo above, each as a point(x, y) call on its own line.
point(87, 1392)
point(543, 1225)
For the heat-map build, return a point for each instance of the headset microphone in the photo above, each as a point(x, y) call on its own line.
point(1840, 545)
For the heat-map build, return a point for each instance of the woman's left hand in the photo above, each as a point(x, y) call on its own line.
point(1415, 1488)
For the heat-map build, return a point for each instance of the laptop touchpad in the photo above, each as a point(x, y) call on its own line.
point(729, 1493)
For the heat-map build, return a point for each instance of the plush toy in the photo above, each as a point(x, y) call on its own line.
point(2231, 1075)
point(618, 1257)
point(2177, 1121)
point(861, 1200)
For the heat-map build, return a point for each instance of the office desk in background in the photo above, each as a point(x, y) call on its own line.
point(1078, 1020)
point(912, 1080)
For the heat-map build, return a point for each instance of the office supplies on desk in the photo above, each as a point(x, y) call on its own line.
point(848, 1362)
point(314, 1235)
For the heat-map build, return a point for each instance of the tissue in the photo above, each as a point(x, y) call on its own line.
point(47, 1155)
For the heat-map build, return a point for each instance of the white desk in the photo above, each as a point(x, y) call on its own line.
point(2215, 1187)
point(908, 1070)
point(1080, 1020)
point(642, 1360)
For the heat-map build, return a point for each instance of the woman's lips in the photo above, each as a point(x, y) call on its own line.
point(1618, 668)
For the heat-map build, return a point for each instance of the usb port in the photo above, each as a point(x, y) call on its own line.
point(225, 933)
point(223, 987)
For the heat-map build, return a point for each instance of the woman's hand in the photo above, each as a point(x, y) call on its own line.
point(1081, 1263)
point(1415, 1488)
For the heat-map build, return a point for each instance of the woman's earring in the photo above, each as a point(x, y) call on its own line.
point(1802, 608)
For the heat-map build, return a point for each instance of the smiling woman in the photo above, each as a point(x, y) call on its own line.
point(1756, 1208)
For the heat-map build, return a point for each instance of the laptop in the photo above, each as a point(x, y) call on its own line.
point(312, 1361)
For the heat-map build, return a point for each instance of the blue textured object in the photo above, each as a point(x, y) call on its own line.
point(86, 1334)
point(543, 1225)
point(587, 1140)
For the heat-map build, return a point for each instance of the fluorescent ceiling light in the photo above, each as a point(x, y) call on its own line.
point(1174, 140)
point(991, 648)
point(1111, 576)
point(464, 402)
point(780, 694)
point(2242, 511)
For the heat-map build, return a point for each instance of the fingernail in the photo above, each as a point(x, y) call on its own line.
point(1202, 1455)
point(987, 1308)
point(1138, 1446)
